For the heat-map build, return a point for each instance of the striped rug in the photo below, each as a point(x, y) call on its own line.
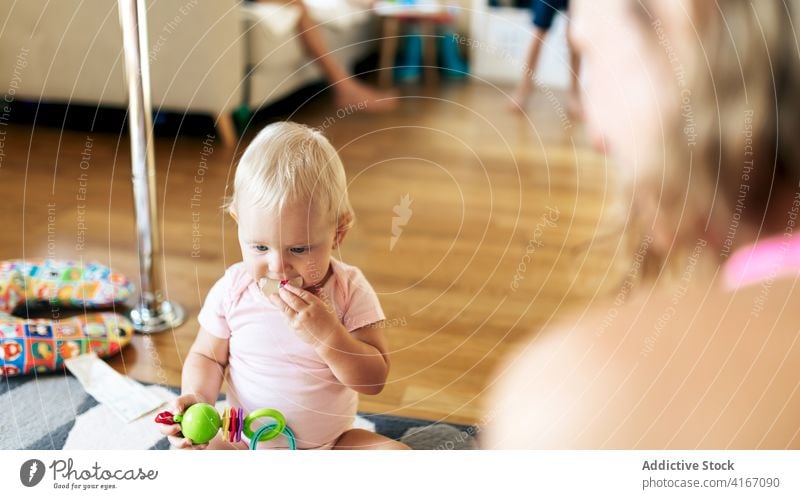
point(54, 412)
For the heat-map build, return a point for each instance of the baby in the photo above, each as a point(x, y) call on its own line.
point(310, 345)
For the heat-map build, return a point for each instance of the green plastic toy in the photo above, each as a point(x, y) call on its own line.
point(200, 423)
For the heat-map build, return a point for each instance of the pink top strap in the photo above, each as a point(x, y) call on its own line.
point(766, 259)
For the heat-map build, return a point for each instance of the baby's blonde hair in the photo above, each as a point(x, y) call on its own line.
point(289, 162)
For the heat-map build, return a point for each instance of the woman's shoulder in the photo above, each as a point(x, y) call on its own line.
point(665, 322)
point(685, 367)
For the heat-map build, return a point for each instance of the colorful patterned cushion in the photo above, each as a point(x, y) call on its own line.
point(41, 345)
point(28, 345)
point(60, 282)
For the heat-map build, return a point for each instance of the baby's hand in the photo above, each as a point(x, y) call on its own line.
point(173, 432)
point(311, 318)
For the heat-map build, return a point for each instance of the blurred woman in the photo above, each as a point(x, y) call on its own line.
point(697, 103)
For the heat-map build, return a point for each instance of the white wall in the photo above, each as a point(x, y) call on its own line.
point(499, 41)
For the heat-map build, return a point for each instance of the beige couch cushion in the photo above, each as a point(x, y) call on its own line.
point(70, 51)
point(73, 53)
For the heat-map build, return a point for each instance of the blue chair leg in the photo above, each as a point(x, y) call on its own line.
point(410, 64)
point(453, 65)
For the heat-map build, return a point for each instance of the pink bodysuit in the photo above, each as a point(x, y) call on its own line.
point(270, 366)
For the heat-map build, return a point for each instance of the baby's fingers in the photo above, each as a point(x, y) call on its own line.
point(179, 442)
point(184, 402)
point(291, 299)
point(184, 443)
point(281, 305)
point(169, 429)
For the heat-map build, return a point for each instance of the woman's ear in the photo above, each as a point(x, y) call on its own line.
point(342, 228)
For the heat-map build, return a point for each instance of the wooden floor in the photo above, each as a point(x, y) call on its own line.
point(487, 187)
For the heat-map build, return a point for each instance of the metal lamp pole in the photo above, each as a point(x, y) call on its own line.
point(153, 313)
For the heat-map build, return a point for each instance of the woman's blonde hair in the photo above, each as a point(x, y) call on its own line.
point(734, 141)
point(289, 162)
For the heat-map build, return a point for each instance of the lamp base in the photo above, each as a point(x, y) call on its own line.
point(166, 315)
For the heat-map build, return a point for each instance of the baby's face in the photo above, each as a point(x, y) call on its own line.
point(296, 242)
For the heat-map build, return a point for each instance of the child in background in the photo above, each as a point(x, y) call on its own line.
point(308, 348)
point(544, 11)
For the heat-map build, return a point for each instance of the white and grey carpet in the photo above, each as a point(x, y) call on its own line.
point(54, 412)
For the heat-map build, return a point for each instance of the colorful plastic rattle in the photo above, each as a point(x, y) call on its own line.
point(201, 422)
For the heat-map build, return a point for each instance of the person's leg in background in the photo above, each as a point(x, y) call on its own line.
point(544, 11)
point(347, 89)
point(519, 101)
point(575, 103)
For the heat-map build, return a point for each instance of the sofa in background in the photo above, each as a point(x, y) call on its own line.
point(209, 57)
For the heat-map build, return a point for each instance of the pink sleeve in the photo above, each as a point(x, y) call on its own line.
point(212, 315)
point(363, 306)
